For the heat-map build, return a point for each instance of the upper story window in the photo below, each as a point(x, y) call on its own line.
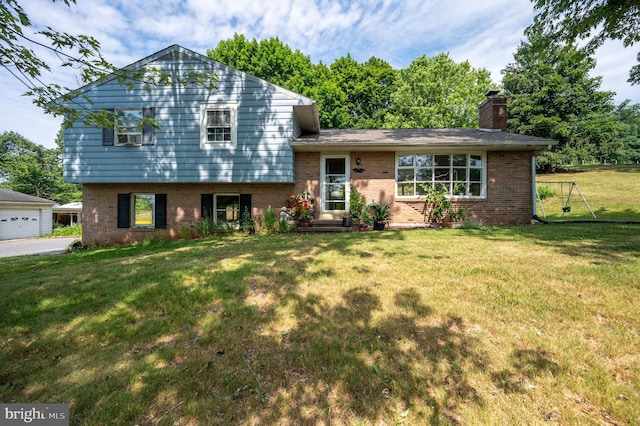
point(218, 125)
point(129, 127)
point(464, 175)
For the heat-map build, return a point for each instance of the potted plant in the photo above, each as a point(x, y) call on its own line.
point(379, 214)
point(300, 207)
point(356, 202)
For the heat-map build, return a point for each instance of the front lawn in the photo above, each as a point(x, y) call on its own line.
point(522, 325)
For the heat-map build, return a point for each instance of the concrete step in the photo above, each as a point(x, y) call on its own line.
point(325, 225)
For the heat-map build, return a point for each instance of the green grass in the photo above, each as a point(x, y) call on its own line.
point(481, 326)
point(611, 191)
point(516, 325)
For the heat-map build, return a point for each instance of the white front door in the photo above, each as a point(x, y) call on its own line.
point(335, 183)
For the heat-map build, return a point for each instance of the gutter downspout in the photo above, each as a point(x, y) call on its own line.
point(533, 185)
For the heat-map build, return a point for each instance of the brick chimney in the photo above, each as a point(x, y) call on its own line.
point(493, 111)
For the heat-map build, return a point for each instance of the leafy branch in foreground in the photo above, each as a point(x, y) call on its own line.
point(591, 20)
point(81, 52)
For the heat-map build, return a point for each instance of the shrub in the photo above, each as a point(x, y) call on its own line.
point(270, 220)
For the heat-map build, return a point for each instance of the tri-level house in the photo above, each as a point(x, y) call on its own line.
point(250, 144)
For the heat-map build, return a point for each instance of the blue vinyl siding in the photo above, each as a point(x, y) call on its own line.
point(263, 154)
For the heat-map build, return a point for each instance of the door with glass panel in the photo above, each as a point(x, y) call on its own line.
point(335, 183)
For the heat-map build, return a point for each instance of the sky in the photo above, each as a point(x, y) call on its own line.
point(486, 33)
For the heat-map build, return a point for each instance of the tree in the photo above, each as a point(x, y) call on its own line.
point(437, 92)
point(18, 57)
point(269, 60)
point(551, 94)
point(592, 20)
point(32, 169)
point(367, 88)
point(628, 117)
point(349, 94)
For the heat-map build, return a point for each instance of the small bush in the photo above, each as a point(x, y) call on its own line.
point(67, 231)
point(545, 192)
point(270, 222)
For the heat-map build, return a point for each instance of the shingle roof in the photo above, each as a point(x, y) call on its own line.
point(7, 195)
point(394, 139)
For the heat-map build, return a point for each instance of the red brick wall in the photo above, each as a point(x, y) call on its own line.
point(508, 202)
point(100, 207)
point(509, 187)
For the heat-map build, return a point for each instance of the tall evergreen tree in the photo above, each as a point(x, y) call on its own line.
point(552, 95)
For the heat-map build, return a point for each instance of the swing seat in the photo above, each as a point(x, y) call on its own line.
point(566, 209)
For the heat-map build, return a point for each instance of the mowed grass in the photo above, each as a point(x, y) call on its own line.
point(523, 325)
point(613, 192)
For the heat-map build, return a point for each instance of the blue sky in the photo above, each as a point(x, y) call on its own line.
point(486, 33)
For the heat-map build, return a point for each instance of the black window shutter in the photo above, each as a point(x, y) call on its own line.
point(123, 210)
point(148, 131)
point(245, 202)
point(161, 211)
point(108, 134)
point(206, 209)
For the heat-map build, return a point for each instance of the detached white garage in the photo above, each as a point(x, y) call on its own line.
point(24, 216)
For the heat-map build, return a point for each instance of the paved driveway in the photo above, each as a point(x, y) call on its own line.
point(35, 246)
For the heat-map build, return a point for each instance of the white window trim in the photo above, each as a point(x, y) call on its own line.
point(133, 211)
point(215, 205)
point(117, 132)
point(323, 174)
point(483, 176)
point(204, 143)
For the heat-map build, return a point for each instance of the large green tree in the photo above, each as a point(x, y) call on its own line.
point(628, 116)
point(367, 88)
point(20, 41)
point(552, 95)
point(269, 59)
point(32, 169)
point(593, 20)
point(437, 92)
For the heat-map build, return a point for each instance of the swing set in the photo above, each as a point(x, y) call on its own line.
point(564, 188)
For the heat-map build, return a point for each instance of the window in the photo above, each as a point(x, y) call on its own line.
point(218, 127)
point(142, 210)
point(227, 209)
point(129, 127)
point(462, 174)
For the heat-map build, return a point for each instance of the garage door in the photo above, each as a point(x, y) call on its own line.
point(19, 224)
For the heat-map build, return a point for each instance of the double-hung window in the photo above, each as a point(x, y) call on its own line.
point(143, 210)
point(129, 127)
point(218, 125)
point(463, 175)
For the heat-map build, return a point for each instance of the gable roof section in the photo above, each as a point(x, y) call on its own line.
point(405, 139)
point(305, 109)
point(7, 196)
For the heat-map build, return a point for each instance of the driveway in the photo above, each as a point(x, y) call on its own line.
point(35, 246)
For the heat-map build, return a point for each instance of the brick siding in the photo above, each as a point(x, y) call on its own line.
point(508, 201)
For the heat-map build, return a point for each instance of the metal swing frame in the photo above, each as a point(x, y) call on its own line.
point(566, 204)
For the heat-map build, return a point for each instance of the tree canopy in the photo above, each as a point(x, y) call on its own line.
point(592, 20)
point(431, 92)
point(32, 169)
point(551, 94)
point(437, 92)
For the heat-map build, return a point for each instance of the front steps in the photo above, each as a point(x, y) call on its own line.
point(325, 225)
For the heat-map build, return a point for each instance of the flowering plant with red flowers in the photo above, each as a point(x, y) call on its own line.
point(300, 206)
